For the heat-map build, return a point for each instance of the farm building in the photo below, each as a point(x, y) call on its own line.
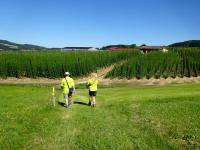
point(79, 49)
point(147, 49)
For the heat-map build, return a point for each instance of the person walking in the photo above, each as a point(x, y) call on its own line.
point(68, 87)
point(92, 86)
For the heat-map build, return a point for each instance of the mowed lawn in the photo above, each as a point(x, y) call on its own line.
point(126, 117)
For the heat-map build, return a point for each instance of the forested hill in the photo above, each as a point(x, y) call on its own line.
point(191, 43)
point(6, 45)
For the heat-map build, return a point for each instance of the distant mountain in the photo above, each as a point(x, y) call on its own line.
point(6, 45)
point(119, 46)
point(191, 43)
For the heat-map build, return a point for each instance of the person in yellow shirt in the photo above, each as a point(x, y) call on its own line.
point(68, 87)
point(92, 86)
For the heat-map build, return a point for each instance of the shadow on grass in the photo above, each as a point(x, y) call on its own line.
point(61, 104)
point(81, 103)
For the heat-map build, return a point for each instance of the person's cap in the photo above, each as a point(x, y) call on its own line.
point(67, 73)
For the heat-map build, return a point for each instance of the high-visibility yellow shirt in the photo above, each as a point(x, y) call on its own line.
point(64, 82)
point(92, 83)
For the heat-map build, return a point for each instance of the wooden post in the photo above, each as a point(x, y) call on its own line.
point(53, 97)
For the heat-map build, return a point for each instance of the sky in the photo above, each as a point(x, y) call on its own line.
point(96, 23)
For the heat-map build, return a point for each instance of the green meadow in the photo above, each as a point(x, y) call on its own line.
point(126, 117)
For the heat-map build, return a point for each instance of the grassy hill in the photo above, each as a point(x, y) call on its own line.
point(6, 45)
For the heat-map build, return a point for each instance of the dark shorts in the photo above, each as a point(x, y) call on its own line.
point(70, 94)
point(93, 93)
point(71, 91)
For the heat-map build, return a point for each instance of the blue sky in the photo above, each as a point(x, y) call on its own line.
point(59, 23)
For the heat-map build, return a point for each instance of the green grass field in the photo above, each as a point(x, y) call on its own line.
point(126, 117)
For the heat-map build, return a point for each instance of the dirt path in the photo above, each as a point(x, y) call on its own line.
point(101, 73)
point(105, 81)
point(153, 81)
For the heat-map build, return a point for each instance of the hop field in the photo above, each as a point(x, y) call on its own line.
point(54, 64)
point(177, 62)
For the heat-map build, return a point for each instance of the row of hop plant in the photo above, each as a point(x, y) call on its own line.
point(175, 63)
point(54, 64)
